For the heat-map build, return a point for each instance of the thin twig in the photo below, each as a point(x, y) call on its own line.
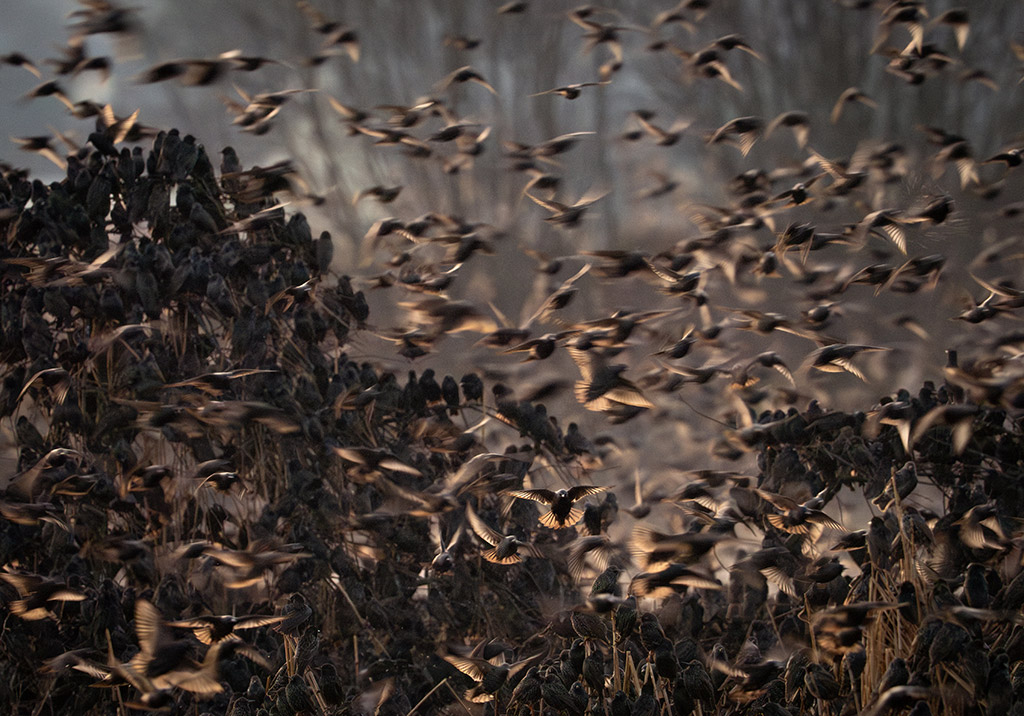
point(427, 696)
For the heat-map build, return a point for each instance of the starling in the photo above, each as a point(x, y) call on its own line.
point(570, 91)
point(907, 597)
point(905, 480)
point(652, 635)
point(999, 696)
point(298, 696)
point(665, 663)
point(696, 682)
point(620, 705)
point(746, 130)
point(797, 121)
point(36, 593)
point(489, 677)
point(593, 671)
point(504, 548)
point(652, 547)
point(158, 653)
point(256, 691)
point(602, 387)
point(607, 582)
point(331, 687)
point(466, 74)
point(820, 683)
point(896, 674)
point(646, 704)
point(472, 388)
point(296, 612)
point(567, 215)
point(671, 578)
point(588, 625)
point(838, 357)
point(798, 518)
point(879, 541)
point(976, 593)
point(556, 695)
point(563, 513)
point(980, 528)
point(528, 691)
point(948, 645)
point(211, 629)
point(957, 19)
point(306, 649)
point(443, 562)
point(898, 698)
point(824, 569)
point(625, 618)
point(793, 676)
point(248, 567)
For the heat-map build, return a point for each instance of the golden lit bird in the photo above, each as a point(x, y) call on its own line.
point(562, 512)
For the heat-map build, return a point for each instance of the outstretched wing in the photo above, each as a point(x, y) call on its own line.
point(482, 529)
point(580, 491)
point(540, 495)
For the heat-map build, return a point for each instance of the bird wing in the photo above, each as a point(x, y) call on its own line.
point(628, 394)
point(470, 667)
point(580, 491)
point(482, 529)
point(491, 555)
point(540, 495)
point(550, 519)
point(780, 501)
point(194, 681)
point(820, 518)
point(148, 627)
point(554, 207)
point(257, 620)
point(232, 558)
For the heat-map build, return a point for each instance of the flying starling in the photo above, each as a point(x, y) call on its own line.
point(505, 548)
point(212, 628)
point(563, 513)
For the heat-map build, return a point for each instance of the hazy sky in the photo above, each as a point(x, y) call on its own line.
point(36, 29)
point(40, 30)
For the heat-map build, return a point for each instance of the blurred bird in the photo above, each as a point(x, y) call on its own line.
point(741, 132)
point(568, 215)
point(836, 358)
point(36, 593)
point(466, 74)
point(848, 96)
point(505, 548)
point(211, 629)
point(570, 91)
point(602, 386)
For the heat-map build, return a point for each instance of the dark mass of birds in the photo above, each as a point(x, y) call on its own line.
point(220, 506)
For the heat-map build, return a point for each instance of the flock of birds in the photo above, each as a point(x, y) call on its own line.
point(220, 507)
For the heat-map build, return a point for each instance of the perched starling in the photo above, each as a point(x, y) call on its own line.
point(607, 582)
point(820, 683)
point(976, 593)
point(905, 480)
point(298, 696)
point(528, 691)
point(589, 625)
point(296, 612)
